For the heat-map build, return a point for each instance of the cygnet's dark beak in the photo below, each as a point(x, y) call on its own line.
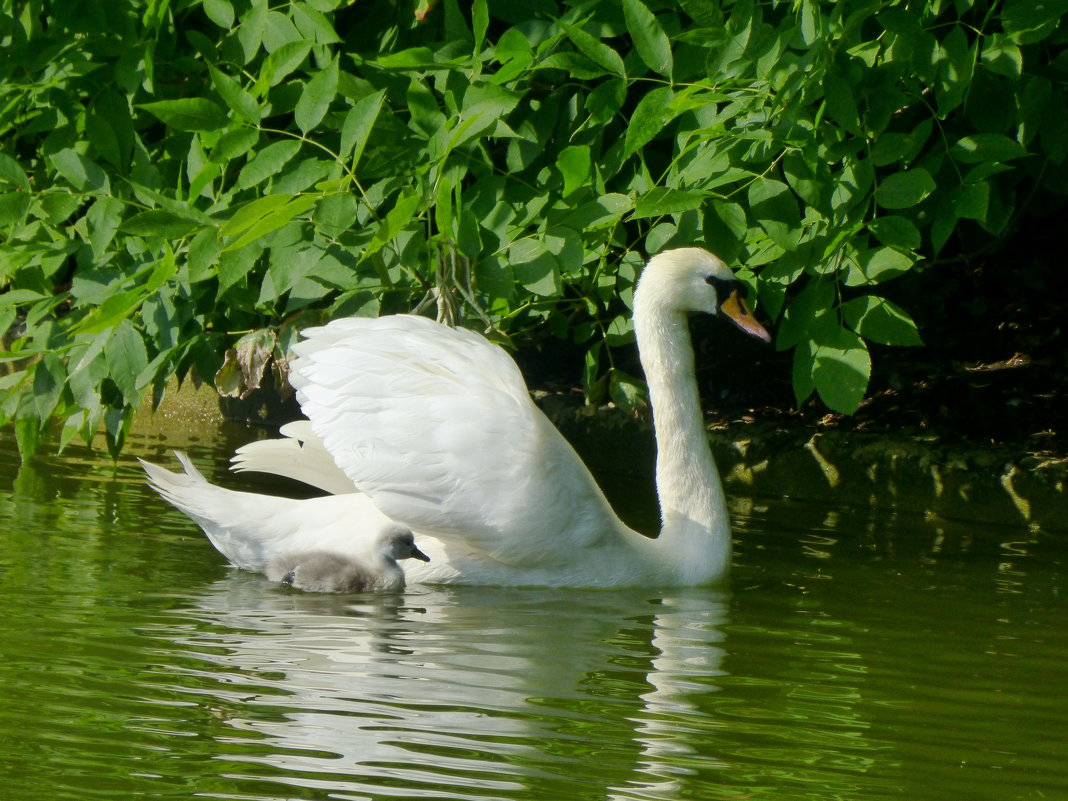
point(417, 554)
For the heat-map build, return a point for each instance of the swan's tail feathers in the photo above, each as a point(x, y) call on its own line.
point(186, 491)
point(300, 456)
point(239, 524)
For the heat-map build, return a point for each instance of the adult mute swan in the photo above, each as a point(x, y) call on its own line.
point(431, 427)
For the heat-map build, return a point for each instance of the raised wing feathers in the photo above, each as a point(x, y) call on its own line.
point(436, 426)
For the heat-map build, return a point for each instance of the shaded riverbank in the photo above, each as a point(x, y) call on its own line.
point(899, 473)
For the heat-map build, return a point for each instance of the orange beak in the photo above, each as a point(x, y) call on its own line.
point(737, 311)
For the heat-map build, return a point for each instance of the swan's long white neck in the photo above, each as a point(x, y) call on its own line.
point(695, 532)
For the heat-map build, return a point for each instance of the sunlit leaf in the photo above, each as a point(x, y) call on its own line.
point(841, 370)
point(187, 113)
point(902, 190)
point(358, 124)
point(649, 38)
point(879, 320)
point(574, 165)
point(316, 98)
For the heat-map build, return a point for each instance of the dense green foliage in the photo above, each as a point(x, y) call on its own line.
point(182, 179)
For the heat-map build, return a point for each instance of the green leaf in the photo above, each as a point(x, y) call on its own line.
point(336, 213)
point(234, 265)
point(601, 213)
point(902, 190)
point(1028, 21)
point(955, 70)
point(286, 267)
point(479, 117)
point(725, 227)
point(157, 222)
point(535, 267)
point(878, 320)
point(627, 392)
point(250, 31)
point(774, 207)
point(412, 58)
point(652, 113)
point(202, 255)
point(358, 124)
point(662, 200)
point(649, 38)
point(316, 98)
point(399, 216)
point(576, 65)
point(479, 23)
point(83, 174)
point(221, 12)
point(283, 61)
point(986, 147)
point(1001, 55)
point(314, 24)
point(101, 135)
point(971, 201)
point(233, 144)
point(187, 113)
point(800, 173)
point(267, 163)
point(49, 378)
point(273, 220)
point(14, 297)
point(117, 306)
point(126, 357)
point(594, 49)
point(251, 213)
point(239, 101)
point(807, 313)
point(103, 217)
point(841, 104)
point(574, 165)
point(896, 232)
point(11, 172)
point(13, 207)
point(841, 370)
point(878, 265)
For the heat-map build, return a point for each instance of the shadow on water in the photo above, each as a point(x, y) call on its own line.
point(854, 657)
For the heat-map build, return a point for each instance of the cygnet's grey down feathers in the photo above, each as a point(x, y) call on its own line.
point(324, 571)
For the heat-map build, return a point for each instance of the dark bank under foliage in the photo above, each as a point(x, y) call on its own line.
point(186, 179)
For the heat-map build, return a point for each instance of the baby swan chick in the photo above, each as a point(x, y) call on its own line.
point(323, 571)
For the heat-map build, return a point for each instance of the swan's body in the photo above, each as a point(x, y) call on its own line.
point(433, 428)
point(323, 571)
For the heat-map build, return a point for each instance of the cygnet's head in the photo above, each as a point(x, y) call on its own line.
point(694, 280)
point(399, 543)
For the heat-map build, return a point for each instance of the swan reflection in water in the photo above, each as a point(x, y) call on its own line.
point(504, 688)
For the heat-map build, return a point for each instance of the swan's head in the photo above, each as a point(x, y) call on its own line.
point(694, 280)
point(399, 543)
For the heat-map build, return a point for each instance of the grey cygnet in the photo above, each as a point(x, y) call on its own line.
point(324, 571)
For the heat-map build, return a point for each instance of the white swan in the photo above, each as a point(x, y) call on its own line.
point(323, 571)
point(433, 428)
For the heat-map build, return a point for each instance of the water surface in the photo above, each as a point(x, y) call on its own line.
point(854, 655)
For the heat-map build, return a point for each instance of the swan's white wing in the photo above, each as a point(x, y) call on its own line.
point(436, 426)
point(299, 455)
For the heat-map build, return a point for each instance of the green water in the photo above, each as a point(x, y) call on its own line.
point(854, 656)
